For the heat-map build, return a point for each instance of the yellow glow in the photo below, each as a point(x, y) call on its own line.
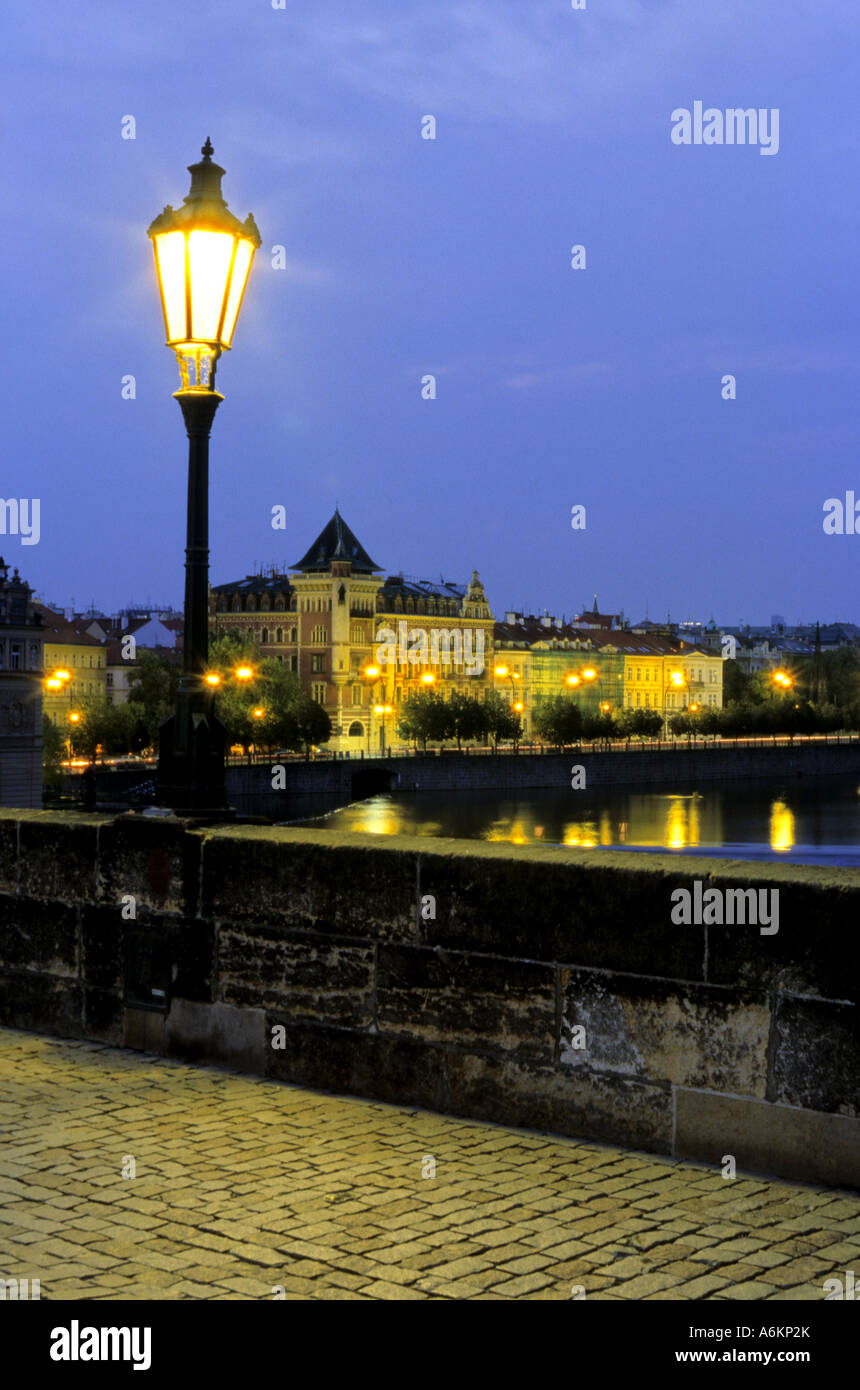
point(244, 673)
point(677, 830)
point(209, 256)
point(241, 267)
point(781, 827)
point(428, 679)
point(605, 706)
point(53, 684)
point(371, 670)
point(676, 678)
point(573, 680)
point(213, 678)
point(381, 709)
point(501, 671)
point(170, 259)
point(63, 675)
point(589, 674)
point(518, 705)
point(258, 713)
point(74, 718)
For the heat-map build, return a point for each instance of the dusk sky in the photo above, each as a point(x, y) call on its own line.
point(452, 257)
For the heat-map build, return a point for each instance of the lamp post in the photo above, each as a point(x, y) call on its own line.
point(383, 710)
point(203, 257)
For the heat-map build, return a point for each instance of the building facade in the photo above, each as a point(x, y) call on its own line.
point(73, 658)
point(359, 642)
point(21, 676)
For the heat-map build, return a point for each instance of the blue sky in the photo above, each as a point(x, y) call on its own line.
point(407, 256)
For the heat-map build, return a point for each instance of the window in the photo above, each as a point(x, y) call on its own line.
point(34, 656)
point(250, 604)
point(639, 673)
point(670, 700)
point(647, 673)
point(356, 694)
point(294, 632)
point(265, 635)
point(318, 663)
point(265, 603)
point(357, 635)
point(638, 699)
point(15, 662)
point(109, 679)
point(294, 663)
point(647, 700)
point(712, 676)
point(318, 692)
point(318, 634)
point(630, 673)
point(356, 729)
point(279, 635)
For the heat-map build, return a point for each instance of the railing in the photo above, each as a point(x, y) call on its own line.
point(680, 745)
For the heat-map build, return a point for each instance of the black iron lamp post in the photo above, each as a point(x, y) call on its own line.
point(203, 257)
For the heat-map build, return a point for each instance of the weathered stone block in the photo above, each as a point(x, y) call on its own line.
point(339, 884)
point(301, 975)
point(217, 1033)
point(767, 1138)
point(816, 1061)
point(39, 936)
point(399, 1070)
point(103, 1016)
point(592, 1106)
point(41, 1003)
point(155, 861)
point(58, 857)
point(598, 910)
point(479, 1002)
point(691, 1035)
point(817, 947)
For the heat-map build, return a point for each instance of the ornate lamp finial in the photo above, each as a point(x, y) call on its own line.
point(206, 150)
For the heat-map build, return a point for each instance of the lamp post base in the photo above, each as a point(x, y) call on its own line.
point(191, 778)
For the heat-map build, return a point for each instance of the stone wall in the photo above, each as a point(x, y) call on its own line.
point(531, 986)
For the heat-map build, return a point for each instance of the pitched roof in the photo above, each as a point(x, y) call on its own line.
point(58, 629)
point(337, 542)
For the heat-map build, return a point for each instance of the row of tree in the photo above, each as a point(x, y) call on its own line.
point(426, 717)
point(268, 711)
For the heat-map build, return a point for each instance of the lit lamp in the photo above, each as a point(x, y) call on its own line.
point(383, 710)
point(203, 257)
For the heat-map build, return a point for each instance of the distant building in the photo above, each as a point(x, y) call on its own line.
point(71, 649)
point(334, 616)
point(21, 676)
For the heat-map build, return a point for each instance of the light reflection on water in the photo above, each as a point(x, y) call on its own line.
point(803, 821)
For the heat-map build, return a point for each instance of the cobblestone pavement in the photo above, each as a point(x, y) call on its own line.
point(243, 1185)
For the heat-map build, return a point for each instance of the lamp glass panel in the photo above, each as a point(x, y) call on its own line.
point(170, 255)
point(241, 267)
point(209, 263)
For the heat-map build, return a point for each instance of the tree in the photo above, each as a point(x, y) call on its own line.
point(468, 718)
point(425, 715)
point(152, 686)
point(53, 751)
point(559, 720)
point(502, 721)
point(641, 723)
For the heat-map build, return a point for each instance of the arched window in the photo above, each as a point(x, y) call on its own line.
point(279, 604)
point(250, 604)
point(294, 634)
point(356, 729)
point(236, 605)
point(265, 603)
point(410, 606)
point(279, 635)
point(265, 637)
point(398, 605)
point(294, 602)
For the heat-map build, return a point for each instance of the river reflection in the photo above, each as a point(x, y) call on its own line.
point(766, 820)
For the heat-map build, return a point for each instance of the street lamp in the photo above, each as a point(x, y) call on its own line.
point(203, 257)
point(383, 710)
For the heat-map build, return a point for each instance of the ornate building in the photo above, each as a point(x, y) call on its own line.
point(358, 642)
point(21, 673)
